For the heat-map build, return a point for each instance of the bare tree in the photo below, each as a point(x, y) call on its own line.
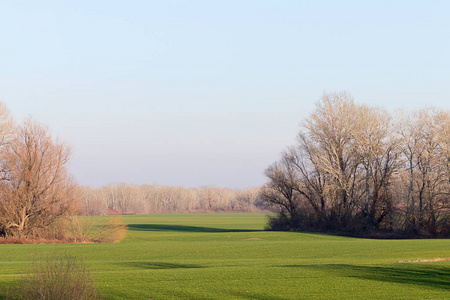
point(410, 136)
point(281, 190)
point(431, 165)
point(39, 190)
point(6, 133)
point(422, 135)
point(320, 174)
point(355, 169)
point(377, 153)
point(331, 126)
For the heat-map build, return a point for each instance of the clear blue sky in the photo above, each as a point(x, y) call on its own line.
point(199, 93)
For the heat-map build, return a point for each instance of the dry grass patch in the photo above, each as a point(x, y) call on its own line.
point(77, 230)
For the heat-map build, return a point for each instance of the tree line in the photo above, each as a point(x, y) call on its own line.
point(357, 169)
point(137, 199)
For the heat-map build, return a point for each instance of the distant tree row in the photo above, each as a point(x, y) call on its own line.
point(135, 199)
point(36, 191)
point(38, 198)
point(357, 169)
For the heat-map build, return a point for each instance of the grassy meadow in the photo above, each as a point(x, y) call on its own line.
point(229, 256)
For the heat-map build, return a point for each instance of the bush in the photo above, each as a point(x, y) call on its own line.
point(112, 231)
point(56, 277)
point(293, 222)
point(283, 221)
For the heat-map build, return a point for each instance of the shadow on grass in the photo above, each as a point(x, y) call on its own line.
point(229, 294)
point(160, 265)
point(253, 295)
point(436, 277)
point(164, 227)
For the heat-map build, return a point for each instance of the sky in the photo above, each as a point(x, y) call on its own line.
point(209, 93)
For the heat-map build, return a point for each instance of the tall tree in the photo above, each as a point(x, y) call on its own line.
point(6, 134)
point(331, 125)
point(378, 155)
point(39, 190)
point(409, 130)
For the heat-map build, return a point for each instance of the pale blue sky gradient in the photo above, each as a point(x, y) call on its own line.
point(199, 93)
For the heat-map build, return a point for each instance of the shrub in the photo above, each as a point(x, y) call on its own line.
point(85, 230)
point(58, 277)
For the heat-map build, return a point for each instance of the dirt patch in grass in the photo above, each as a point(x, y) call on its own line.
point(425, 260)
point(254, 239)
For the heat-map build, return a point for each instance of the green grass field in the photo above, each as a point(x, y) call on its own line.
point(229, 256)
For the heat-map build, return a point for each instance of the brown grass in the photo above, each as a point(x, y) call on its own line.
point(77, 230)
point(23, 240)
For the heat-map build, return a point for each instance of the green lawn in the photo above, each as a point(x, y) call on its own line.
point(229, 256)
